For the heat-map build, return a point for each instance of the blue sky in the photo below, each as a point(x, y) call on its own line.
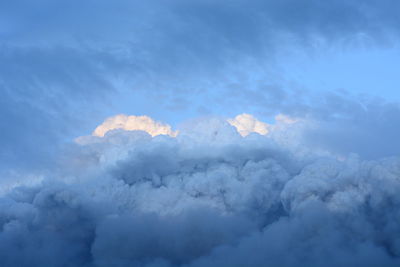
point(359, 71)
point(369, 71)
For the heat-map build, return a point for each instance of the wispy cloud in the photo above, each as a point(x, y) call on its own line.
point(57, 57)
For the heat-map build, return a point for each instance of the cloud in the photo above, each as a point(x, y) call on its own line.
point(57, 59)
point(207, 197)
point(134, 123)
point(243, 123)
point(347, 124)
point(341, 128)
point(246, 124)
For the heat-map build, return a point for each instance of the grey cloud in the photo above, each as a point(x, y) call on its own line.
point(346, 124)
point(180, 239)
point(191, 201)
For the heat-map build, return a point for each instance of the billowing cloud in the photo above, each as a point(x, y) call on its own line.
point(207, 197)
point(246, 124)
point(134, 123)
point(243, 123)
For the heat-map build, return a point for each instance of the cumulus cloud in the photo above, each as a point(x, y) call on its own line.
point(246, 124)
point(207, 197)
point(134, 123)
point(243, 123)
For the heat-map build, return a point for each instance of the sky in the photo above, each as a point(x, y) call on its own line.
point(199, 133)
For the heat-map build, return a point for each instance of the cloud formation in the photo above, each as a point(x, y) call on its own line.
point(246, 124)
point(55, 59)
point(208, 197)
point(322, 191)
point(243, 123)
point(133, 123)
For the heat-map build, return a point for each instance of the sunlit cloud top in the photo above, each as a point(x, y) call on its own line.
point(134, 123)
point(243, 123)
point(246, 124)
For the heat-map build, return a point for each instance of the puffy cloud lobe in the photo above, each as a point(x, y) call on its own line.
point(246, 124)
point(190, 201)
point(134, 123)
point(243, 123)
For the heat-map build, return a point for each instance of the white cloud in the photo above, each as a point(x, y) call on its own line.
point(134, 123)
point(246, 124)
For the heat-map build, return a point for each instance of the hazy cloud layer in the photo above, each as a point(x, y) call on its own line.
point(61, 56)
